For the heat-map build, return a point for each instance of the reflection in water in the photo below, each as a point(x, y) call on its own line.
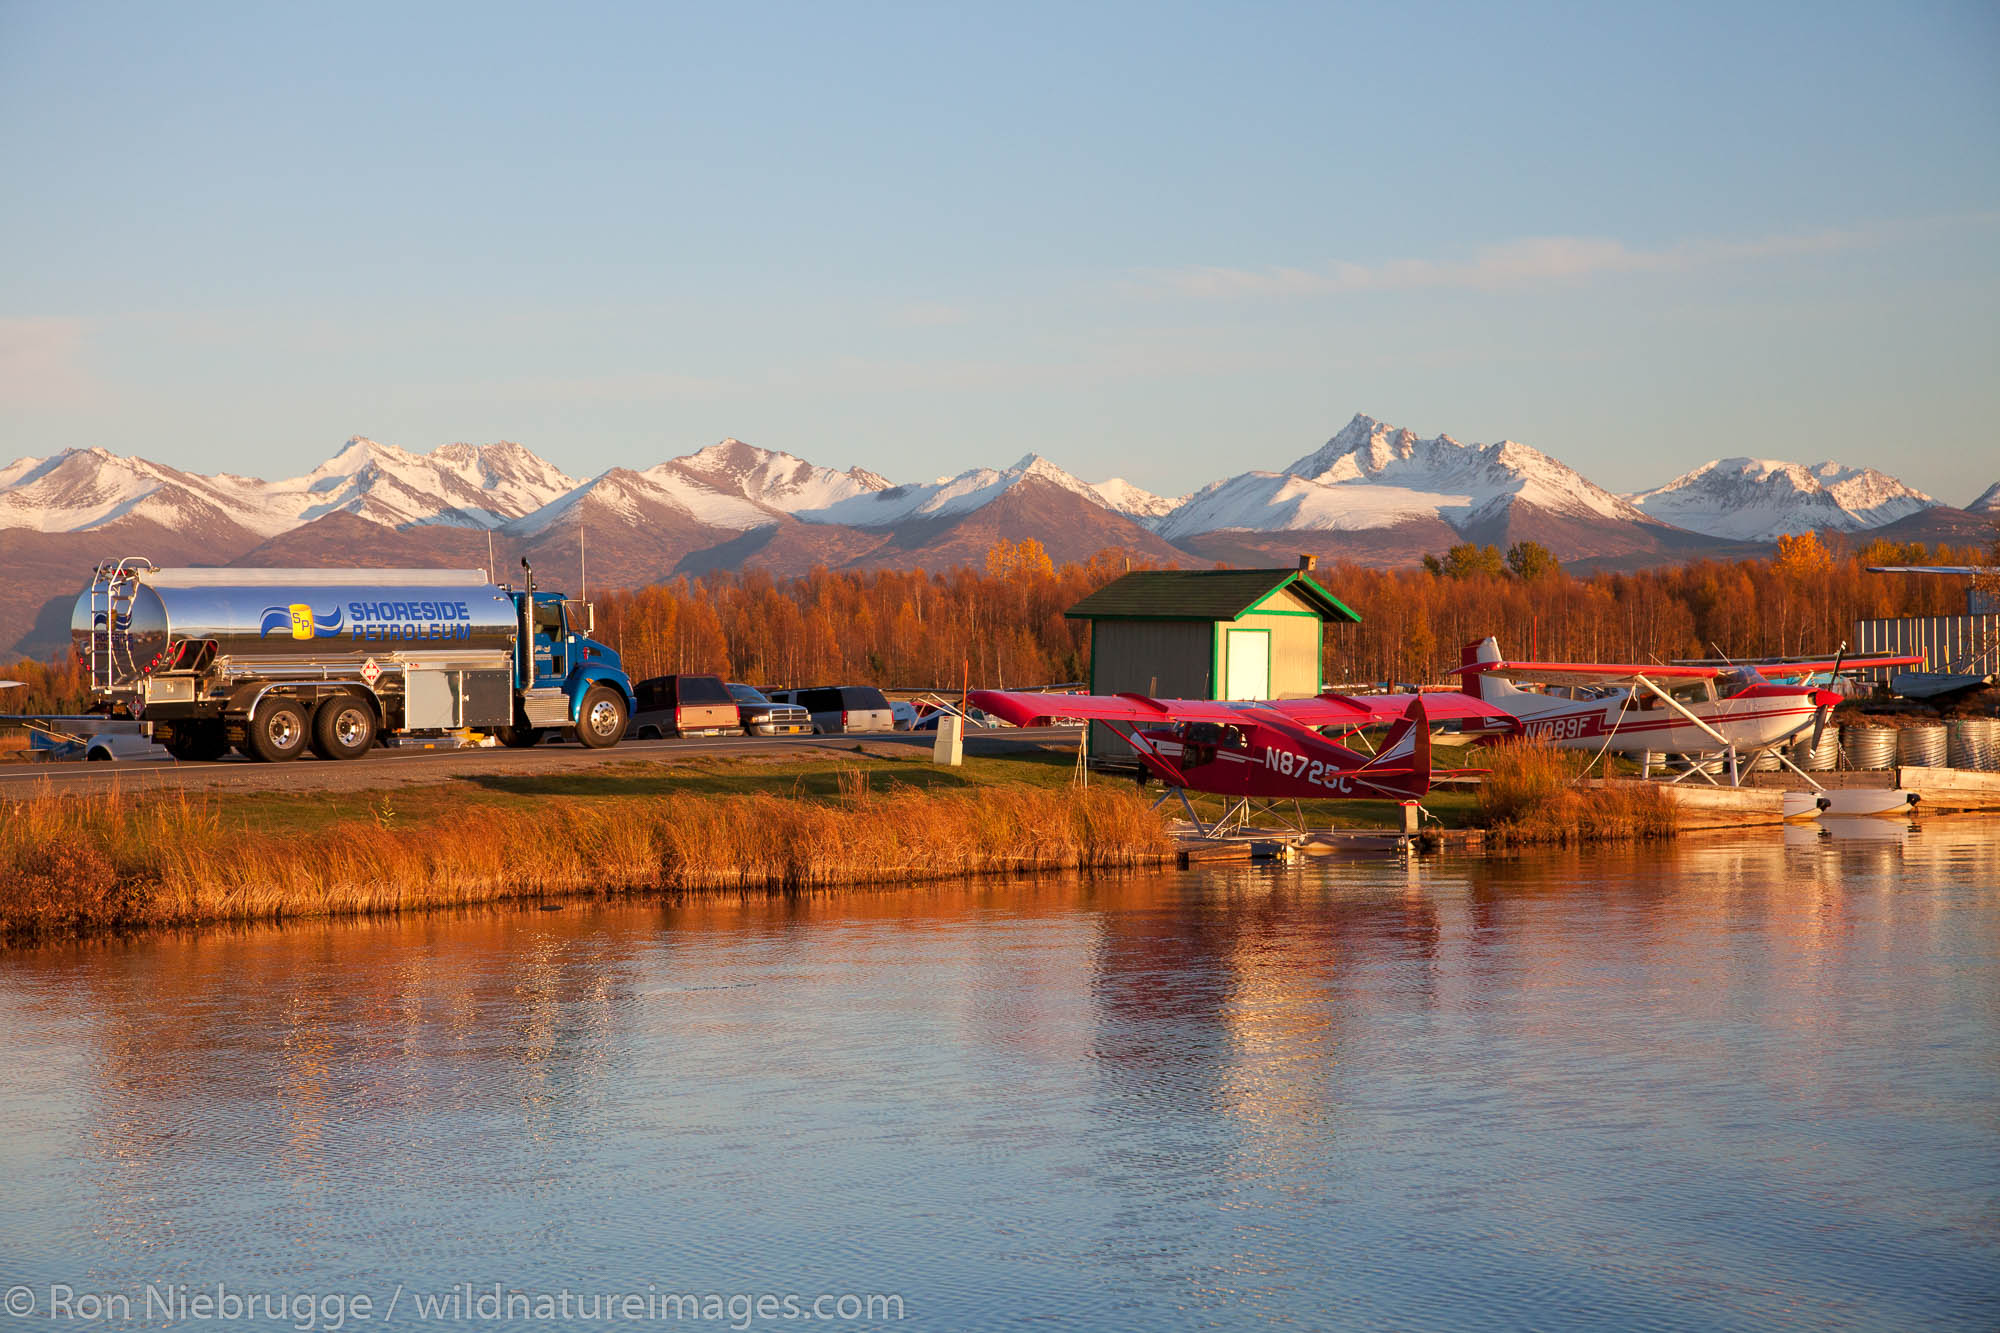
point(1743, 1082)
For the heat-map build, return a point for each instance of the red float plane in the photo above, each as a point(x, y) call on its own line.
point(1262, 749)
point(1642, 709)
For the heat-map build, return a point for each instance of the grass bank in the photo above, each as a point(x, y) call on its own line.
point(1531, 794)
point(85, 864)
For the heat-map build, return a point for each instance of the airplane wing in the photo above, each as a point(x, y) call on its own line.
point(10, 684)
point(1361, 710)
point(1588, 673)
point(1326, 710)
point(1780, 670)
point(1027, 710)
point(1934, 569)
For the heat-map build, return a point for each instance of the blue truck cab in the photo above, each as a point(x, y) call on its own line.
point(563, 677)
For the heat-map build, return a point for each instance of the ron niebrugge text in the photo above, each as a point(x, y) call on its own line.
point(172, 1303)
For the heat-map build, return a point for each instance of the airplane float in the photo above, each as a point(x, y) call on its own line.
point(1262, 750)
point(1670, 708)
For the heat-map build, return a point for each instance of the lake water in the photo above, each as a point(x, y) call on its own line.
point(1746, 1084)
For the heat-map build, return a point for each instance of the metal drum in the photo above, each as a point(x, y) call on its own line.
point(1868, 747)
point(1816, 760)
point(1973, 742)
point(1765, 762)
point(1921, 746)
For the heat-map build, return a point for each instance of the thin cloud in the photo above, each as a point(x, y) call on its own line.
point(1518, 263)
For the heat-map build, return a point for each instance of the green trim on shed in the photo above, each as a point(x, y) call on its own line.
point(1203, 594)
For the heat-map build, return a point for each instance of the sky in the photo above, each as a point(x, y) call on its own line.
point(1164, 242)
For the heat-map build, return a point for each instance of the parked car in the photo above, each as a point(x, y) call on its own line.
point(684, 706)
point(759, 716)
point(838, 709)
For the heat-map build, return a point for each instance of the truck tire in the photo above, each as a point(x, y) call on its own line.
point(519, 736)
point(600, 723)
point(343, 728)
point(277, 731)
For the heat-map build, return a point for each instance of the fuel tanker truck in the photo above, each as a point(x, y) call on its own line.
point(275, 661)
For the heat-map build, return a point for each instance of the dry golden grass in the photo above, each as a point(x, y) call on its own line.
point(1531, 793)
point(76, 864)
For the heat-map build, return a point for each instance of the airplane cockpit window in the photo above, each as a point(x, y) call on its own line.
point(1200, 741)
point(1735, 680)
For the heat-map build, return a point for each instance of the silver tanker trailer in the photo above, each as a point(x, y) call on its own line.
point(273, 661)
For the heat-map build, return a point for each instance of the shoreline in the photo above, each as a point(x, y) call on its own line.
point(80, 864)
point(75, 865)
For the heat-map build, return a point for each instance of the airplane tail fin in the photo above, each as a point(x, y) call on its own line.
point(1481, 684)
point(1406, 752)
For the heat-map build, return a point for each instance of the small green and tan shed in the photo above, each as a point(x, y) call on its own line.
point(1206, 634)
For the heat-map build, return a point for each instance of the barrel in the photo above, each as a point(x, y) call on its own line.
point(1868, 747)
point(1765, 762)
point(1820, 760)
point(1973, 742)
point(1921, 746)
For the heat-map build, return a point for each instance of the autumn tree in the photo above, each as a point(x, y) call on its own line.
point(1530, 560)
point(1803, 556)
point(1466, 560)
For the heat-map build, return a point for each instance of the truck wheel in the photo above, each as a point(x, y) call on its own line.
point(519, 737)
point(277, 732)
point(600, 723)
point(343, 728)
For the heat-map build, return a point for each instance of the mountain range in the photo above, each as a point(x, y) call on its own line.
point(1373, 493)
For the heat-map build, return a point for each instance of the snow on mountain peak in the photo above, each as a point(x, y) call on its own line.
point(781, 482)
point(1761, 499)
point(1121, 496)
point(1988, 501)
point(16, 470)
point(1369, 475)
point(1372, 474)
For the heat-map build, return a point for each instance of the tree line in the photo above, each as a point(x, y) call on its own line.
point(1002, 624)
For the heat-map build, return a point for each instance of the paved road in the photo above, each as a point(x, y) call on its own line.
point(407, 767)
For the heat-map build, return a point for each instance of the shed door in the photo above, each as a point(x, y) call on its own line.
point(1247, 653)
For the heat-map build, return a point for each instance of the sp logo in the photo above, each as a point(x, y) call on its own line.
point(302, 620)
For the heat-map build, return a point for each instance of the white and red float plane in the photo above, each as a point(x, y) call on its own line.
point(1267, 750)
point(1669, 708)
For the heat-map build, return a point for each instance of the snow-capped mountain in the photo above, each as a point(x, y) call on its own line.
point(1988, 501)
point(659, 494)
point(1373, 493)
point(1758, 499)
point(1122, 497)
point(1373, 475)
point(80, 489)
point(963, 493)
point(778, 481)
point(461, 485)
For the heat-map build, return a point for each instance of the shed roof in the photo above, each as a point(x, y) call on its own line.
point(1201, 594)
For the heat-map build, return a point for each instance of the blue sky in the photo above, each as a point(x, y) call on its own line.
point(1164, 242)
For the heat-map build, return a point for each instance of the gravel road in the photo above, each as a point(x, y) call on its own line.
point(412, 767)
